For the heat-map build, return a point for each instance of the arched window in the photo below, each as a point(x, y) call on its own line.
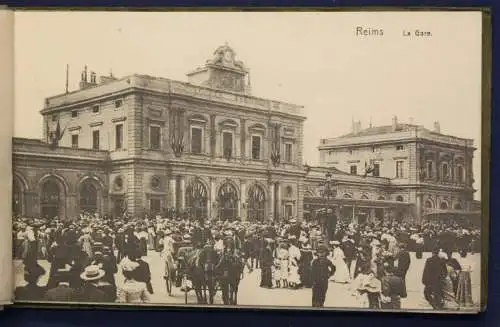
point(381, 198)
point(17, 197)
point(289, 192)
point(50, 200)
point(228, 202)
point(429, 204)
point(443, 205)
point(364, 197)
point(196, 200)
point(88, 198)
point(399, 198)
point(256, 203)
point(347, 196)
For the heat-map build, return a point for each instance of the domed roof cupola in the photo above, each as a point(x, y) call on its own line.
point(223, 72)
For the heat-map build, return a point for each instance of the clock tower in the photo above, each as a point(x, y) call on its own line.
point(222, 72)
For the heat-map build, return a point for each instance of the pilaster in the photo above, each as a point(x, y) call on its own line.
point(243, 200)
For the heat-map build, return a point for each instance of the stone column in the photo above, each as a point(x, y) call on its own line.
point(372, 215)
point(182, 187)
point(353, 214)
point(172, 192)
point(279, 205)
point(213, 136)
point(243, 139)
point(213, 199)
point(418, 208)
point(243, 200)
point(271, 202)
point(437, 169)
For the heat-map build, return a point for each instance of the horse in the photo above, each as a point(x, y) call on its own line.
point(200, 264)
point(229, 272)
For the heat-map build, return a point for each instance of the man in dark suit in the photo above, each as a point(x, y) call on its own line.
point(432, 278)
point(403, 264)
point(62, 292)
point(322, 270)
point(90, 291)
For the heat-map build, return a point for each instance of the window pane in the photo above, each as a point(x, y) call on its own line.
point(255, 147)
point(288, 152)
point(196, 140)
point(376, 170)
point(74, 141)
point(155, 137)
point(119, 136)
point(354, 170)
point(95, 140)
point(227, 143)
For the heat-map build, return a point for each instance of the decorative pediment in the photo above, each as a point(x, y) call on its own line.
point(74, 128)
point(197, 119)
point(119, 119)
point(288, 132)
point(95, 124)
point(257, 128)
point(228, 123)
point(155, 112)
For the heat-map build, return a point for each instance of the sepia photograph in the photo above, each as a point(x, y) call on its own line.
point(289, 160)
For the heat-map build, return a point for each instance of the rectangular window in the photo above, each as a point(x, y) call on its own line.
point(55, 117)
point(74, 114)
point(118, 103)
point(288, 152)
point(227, 144)
point(256, 147)
point(154, 137)
point(95, 109)
point(354, 170)
point(444, 170)
point(399, 169)
point(74, 140)
point(95, 140)
point(428, 169)
point(155, 206)
point(399, 148)
point(376, 169)
point(196, 140)
point(460, 174)
point(119, 136)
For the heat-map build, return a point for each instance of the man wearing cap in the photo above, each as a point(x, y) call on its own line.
point(322, 270)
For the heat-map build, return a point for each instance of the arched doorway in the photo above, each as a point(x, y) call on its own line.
point(50, 199)
point(89, 202)
point(196, 200)
point(256, 203)
point(17, 197)
point(228, 202)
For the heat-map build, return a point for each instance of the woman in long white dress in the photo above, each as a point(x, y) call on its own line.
point(341, 271)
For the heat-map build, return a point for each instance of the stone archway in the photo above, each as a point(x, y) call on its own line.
point(256, 203)
point(52, 198)
point(90, 195)
point(19, 189)
point(197, 199)
point(227, 198)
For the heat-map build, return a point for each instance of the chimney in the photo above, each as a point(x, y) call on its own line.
point(394, 123)
point(437, 127)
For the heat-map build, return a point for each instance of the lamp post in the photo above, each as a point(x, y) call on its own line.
point(329, 220)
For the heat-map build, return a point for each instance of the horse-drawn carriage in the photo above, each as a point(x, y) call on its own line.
point(204, 271)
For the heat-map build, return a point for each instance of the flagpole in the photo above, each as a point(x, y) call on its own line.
point(67, 77)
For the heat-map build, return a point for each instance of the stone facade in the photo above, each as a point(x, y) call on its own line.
point(149, 144)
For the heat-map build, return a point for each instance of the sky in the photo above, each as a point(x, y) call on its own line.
point(311, 59)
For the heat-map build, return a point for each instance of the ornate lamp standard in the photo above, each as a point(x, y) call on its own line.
point(329, 221)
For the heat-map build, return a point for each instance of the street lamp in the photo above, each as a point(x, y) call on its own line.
point(329, 192)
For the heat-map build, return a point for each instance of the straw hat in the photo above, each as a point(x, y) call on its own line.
point(92, 272)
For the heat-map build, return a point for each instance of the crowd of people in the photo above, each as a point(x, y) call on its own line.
point(372, 259)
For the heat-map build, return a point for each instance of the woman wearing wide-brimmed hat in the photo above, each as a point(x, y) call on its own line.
point(132, 290)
